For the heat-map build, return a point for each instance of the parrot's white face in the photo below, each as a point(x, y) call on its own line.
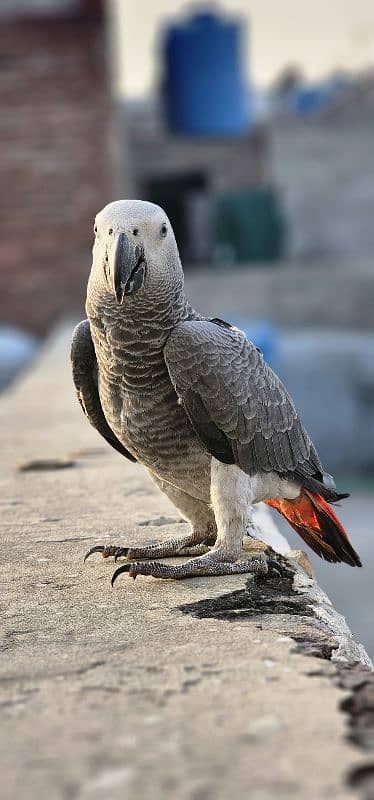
point(134, 250)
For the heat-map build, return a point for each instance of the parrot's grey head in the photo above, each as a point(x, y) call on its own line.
point(135, 252)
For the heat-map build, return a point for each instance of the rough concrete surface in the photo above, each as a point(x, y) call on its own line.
point(108, 693)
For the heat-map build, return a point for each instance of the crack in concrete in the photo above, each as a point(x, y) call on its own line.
point(50, 675)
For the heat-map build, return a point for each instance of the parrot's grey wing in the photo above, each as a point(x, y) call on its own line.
point(238, 407)
point(84, 365)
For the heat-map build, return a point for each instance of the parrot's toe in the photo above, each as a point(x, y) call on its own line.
point(185, 546)
point(152, 568)
point(274, 569)
point(208, 565)
point(107, 551)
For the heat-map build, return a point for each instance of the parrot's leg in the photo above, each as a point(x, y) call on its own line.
point(196, 543)
point(232, 494)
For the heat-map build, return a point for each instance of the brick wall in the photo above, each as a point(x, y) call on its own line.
point(55, 170)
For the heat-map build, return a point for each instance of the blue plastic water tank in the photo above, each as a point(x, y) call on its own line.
point(205, 92)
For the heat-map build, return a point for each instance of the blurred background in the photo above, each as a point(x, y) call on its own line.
point(252, 124)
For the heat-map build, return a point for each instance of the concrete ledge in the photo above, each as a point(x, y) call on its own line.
point(198, 689)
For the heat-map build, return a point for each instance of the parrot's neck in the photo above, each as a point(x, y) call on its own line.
point(159, 311)
point(133, 335)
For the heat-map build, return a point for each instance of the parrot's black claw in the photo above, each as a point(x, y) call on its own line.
point(123, 568)
point(107, 551)
point(275, 570)
point(99, 548)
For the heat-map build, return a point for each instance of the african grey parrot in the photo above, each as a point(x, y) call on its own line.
point(194, 401)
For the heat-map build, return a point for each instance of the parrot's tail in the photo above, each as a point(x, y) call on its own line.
point(313, 518)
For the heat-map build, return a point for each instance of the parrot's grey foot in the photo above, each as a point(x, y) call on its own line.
point(211, 564)
point(186, 546)
point(196, 550)
point(107, 551)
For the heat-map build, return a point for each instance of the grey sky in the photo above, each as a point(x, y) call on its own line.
point(320, 36)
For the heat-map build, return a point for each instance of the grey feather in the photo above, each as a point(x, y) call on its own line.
point(246, 408)
point(84, 367)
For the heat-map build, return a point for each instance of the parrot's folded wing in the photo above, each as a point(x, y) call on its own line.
point(238, 407)
point(83, 359)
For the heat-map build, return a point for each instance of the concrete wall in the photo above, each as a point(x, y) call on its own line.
point(324, 170)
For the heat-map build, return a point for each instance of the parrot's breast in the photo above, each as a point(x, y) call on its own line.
point(142, 409)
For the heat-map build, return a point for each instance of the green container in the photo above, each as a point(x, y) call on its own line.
point(250, 226)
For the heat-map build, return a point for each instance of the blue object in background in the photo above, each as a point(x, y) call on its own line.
point(17, 348)
point(204, 91)
point(310, 99)
point(263, 334)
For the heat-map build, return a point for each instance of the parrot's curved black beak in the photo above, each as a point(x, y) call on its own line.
point(129, 267)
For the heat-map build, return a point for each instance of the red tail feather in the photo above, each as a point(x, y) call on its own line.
point(313, 518)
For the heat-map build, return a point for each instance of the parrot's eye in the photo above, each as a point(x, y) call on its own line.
point(95, 229)
point(110, 231)
point(163, 230)
point(136, 231)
